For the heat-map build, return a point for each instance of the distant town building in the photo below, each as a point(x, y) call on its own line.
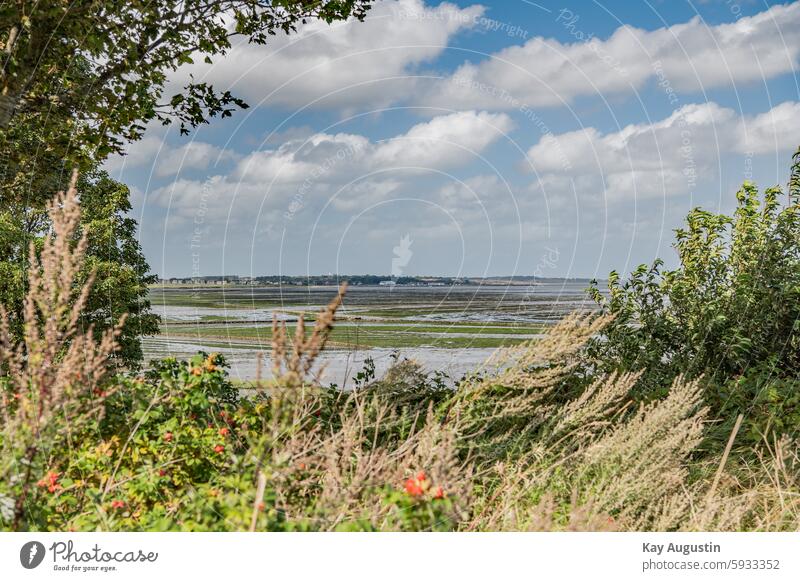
point(387, 283)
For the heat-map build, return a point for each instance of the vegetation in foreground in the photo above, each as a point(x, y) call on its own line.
point(549, 437)
point(675, 409)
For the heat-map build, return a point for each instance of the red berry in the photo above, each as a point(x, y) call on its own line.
point(413, 488)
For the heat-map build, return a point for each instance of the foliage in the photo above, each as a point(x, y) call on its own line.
point(505, 409)
point(729, 312)
point(52, 375)
point(121, 273)
point(91, 75)
point(113, 256)
point(182, 449)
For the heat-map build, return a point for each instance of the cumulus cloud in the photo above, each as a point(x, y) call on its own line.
point(138, 154)
point(445, 140)
point(156, 155)
point(474, 191)
point(772, 131)
point(691, 56)
point(303, 184)
point(193, 155)
point(319, 166)
point(662, 158)
point(340, 63)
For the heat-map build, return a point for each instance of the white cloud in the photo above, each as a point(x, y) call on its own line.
point(313, 170)
point(474, 191)
point(297, 160)
point(445, 140)
point(313, 184)
point(772, 131)
point(138, 154)
point(155, 153)
point(351, 65)
point(342, 61)
point(663, 158)
point(193, 155)
point(361, 194)
point(691, 56)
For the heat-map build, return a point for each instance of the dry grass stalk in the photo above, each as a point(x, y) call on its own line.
point(639, 465)
point(344, 471)
point(725, 455)
point(595, 462)
point(258, 502)
point(619, 468)
point(355, 470)
point(513, 404)
point(292, 361)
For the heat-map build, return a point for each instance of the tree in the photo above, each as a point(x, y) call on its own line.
point(90, 74)
point(113, 254)
point(730, 311)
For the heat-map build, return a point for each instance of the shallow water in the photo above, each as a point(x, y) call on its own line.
point(333, 366)
point(189, 314)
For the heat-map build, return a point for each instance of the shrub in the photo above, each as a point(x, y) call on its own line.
point(730, 311)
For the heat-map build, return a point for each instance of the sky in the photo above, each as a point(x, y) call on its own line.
point(510, 137)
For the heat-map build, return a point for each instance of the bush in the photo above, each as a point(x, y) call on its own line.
point(730, 311)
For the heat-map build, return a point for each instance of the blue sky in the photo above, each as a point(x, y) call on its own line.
point(506, 137)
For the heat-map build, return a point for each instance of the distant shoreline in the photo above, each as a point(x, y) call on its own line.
point(359, 280)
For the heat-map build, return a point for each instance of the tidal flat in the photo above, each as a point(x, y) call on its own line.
point(452, 329)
